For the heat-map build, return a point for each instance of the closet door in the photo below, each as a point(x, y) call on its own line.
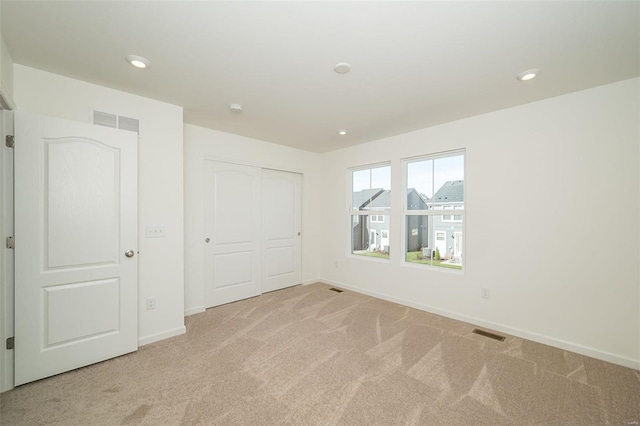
point(281, 229)
point(232, 242)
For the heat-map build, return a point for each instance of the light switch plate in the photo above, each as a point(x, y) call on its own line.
point(154, 231)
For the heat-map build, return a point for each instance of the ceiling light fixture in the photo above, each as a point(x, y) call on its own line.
point(138, 61)
point(342, 68)
point(235, 107)
point(528, 75)
point(342, 132)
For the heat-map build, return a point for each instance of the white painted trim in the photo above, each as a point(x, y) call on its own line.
point(386, 212)
point(5, 98)
point(309, 282)
point(161, 336)
point(561, 344)
point(193, 311)
point(258, 164)
point(6, 256)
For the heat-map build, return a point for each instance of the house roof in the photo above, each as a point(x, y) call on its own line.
point(451, 191)
point(360, 199)
point(383, 199)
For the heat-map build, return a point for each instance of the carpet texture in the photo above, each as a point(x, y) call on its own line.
point(307, 355)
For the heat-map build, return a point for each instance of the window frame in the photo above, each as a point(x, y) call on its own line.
point(351, 212)
point(434, 211)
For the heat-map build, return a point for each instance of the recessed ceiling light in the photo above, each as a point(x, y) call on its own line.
point(528, 75)
point(138, 61)
point(342, 132)
point(342, 68)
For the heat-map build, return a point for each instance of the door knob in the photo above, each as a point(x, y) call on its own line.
point(129, 253)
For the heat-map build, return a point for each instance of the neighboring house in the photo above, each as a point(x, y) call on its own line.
point(371, 232)
point(379, 224)
point(447, 228)
point(417, 226)
point(360, 224)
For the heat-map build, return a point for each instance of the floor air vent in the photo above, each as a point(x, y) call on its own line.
point(337, 290)
point(489, 335)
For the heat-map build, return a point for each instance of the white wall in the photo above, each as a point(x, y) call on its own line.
point(6, 72)
point(553, 212)
point(552, 201)
point(160, 183)
point(201, 144)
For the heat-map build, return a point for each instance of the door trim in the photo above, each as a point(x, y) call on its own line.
point(7, 278)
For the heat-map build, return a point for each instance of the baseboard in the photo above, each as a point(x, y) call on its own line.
point(161, 336)
point(311, 282)
point(193, 311)
point(561, 344)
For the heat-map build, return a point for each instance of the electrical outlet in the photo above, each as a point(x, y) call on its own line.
point(151, 303)
point(484, 293)
point(154, 231)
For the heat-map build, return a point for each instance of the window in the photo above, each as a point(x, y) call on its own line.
point(451, 217)
point(434, 210)
point(369, 211)
point(377, 218)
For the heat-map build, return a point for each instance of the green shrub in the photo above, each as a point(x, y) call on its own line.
point(437, 254)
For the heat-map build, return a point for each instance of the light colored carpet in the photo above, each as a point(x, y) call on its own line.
point(307, 355)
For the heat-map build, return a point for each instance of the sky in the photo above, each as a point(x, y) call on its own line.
point(426, 176)
point(429, 175)
point(379, 177)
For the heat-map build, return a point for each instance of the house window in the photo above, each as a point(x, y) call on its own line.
point(370, 206)
point(452, 217)
point(434, 210)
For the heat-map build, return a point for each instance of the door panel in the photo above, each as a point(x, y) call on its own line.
point(75, 216)
point(81, 310)
point(82, 202)
point(281, 228)
point(232, 225)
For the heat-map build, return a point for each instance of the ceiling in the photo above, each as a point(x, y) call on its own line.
point(414, 64)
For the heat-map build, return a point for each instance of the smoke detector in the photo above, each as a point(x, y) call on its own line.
point(235, 107)
point(342, 67)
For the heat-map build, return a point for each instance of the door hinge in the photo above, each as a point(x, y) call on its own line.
point(10, 342)
point(10, 141)
point(10, 243)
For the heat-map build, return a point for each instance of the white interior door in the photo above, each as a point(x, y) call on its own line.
point(232, 232)
point(75, 218)
point(281, 222)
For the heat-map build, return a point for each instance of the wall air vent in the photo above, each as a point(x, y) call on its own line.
point(115, 121)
